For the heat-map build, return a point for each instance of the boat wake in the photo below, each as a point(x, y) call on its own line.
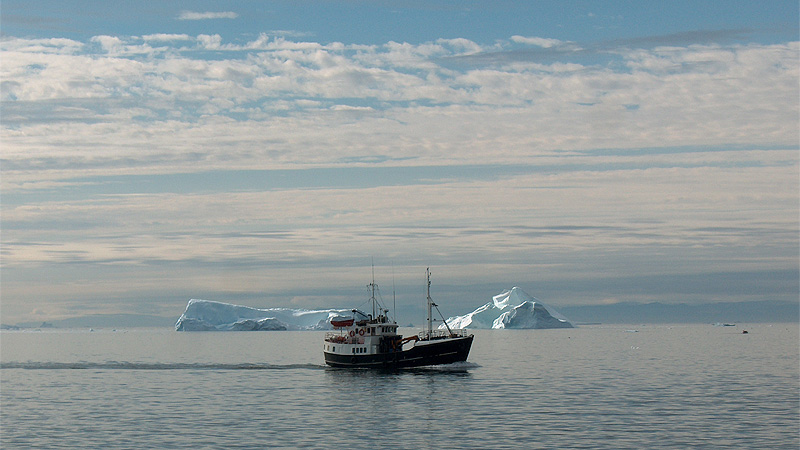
point(115, 365)
point(461, 366)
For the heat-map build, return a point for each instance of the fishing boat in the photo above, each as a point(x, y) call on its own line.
point(371, 340)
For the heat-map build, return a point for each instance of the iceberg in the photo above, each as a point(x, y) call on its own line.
point(205, 315)
point(511, 309)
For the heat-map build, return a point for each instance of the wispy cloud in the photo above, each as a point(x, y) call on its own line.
point(548, 51)
point(538, 41)
point(191, 15)
point(163, 37)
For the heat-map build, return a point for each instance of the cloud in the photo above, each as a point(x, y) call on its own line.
point(548, 50)
point(210, 42)
point(129, 155)
point(537, 41)
point(191, 15)
point(110, 44)
point(163, 37)
point(545, 224)
point(42, 46)
point(684, 38)
point(124, 91)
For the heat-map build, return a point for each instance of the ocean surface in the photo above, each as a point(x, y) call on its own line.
point(593, 387)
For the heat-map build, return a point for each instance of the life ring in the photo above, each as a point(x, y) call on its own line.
point(361, 332)
point(352, 333)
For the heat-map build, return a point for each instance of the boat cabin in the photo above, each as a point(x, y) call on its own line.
point(363, 337)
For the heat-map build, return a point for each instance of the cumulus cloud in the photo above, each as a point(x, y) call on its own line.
point(109, 43)
point(698, 95)
point(191, 15)
point(210, 42)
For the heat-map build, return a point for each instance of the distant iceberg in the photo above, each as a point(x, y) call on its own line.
point(511, 309)
point(204, 315)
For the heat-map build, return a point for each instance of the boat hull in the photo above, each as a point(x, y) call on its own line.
point(423, 353)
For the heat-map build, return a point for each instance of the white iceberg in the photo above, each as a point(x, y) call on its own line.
point(511, 309)
point(205, 315)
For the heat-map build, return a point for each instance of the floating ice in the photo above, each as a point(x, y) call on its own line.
point(204, 315)
point(511, 309)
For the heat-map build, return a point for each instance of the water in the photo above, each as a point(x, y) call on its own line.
point(595, 387)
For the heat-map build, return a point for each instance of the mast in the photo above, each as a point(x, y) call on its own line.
point(394, 298)
point(430, 302)
point(372, 287)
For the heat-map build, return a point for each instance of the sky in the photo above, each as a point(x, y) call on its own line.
point(270, 153)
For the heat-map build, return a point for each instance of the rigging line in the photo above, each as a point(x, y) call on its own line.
point(449, 331)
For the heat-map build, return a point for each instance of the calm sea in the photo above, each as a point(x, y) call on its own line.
point(598, 387)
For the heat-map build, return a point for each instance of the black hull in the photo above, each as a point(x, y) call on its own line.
point(423, 353)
